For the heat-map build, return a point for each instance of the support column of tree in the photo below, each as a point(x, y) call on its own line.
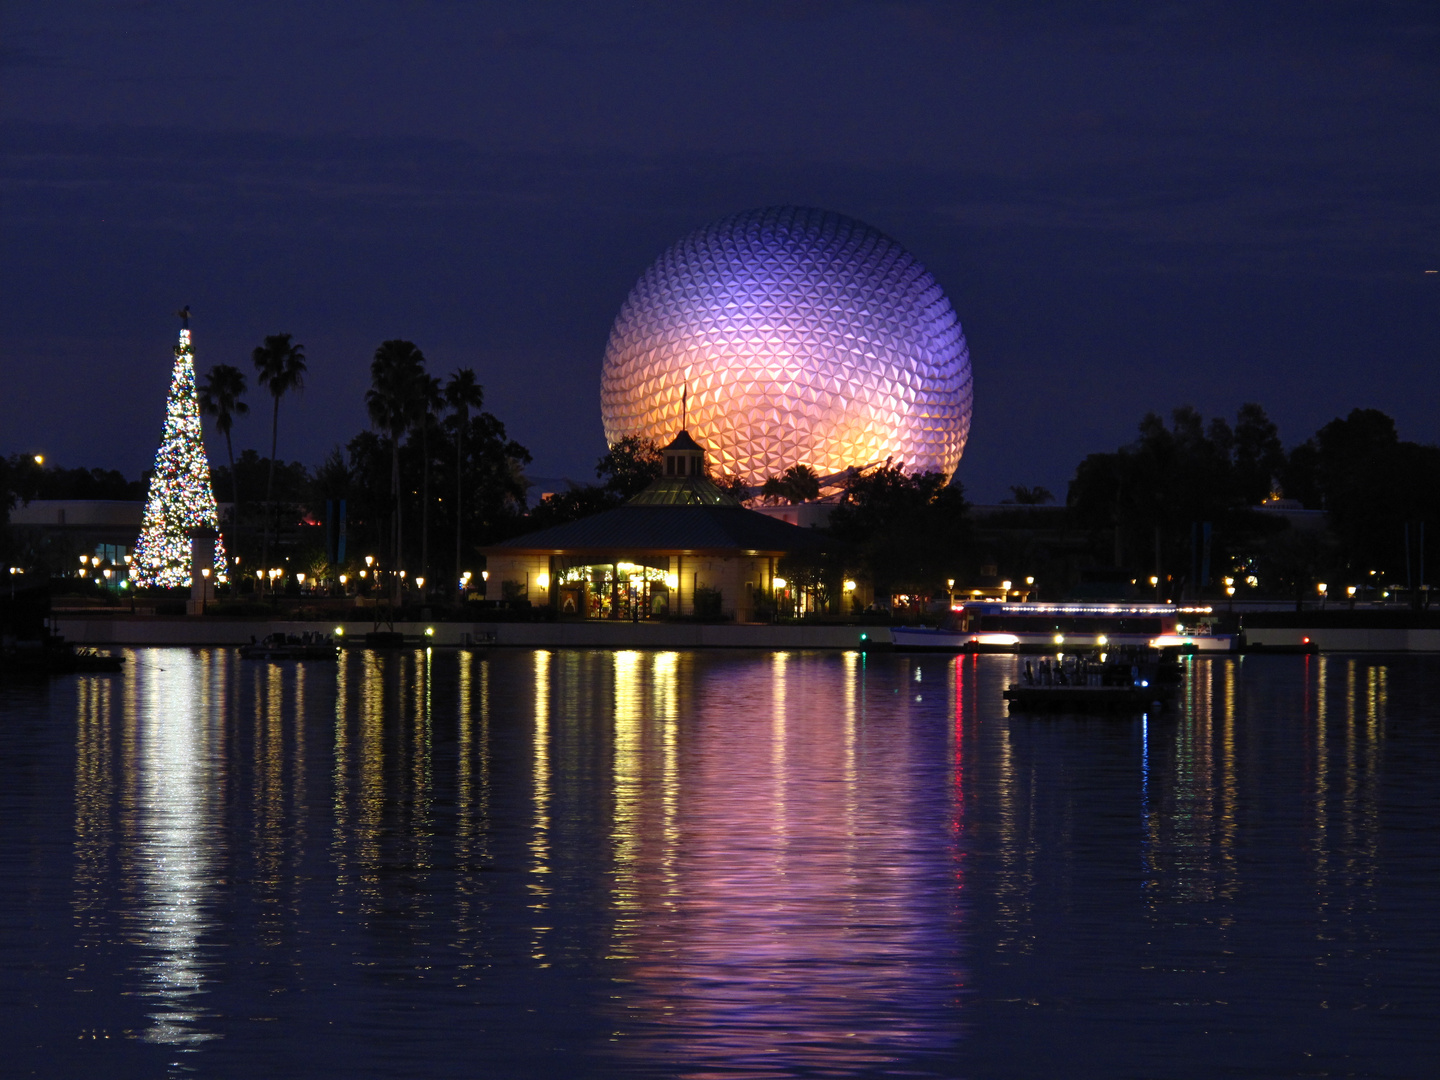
point(280, 364)
point(396, 374)
point(428, 400)
point(220, 397)
point(462, 393)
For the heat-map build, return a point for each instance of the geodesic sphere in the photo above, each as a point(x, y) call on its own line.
point(795, 337)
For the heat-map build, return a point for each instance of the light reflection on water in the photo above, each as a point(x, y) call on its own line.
point(689, 863)
point(791, 915)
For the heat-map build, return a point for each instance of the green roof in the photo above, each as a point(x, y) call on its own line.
point(683, 491)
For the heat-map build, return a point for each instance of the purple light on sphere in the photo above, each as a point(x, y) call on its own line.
point(803, 337)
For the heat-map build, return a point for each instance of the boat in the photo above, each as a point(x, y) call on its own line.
point(384, 639)
point(1026, 627)
point(1121, 681)
point(311, 645)
point(53, 655)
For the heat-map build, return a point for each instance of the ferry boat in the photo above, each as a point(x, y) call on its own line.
point(280, 646)
point(1117, 681)
point(1025, 627)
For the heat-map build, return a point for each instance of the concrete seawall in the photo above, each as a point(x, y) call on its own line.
point(588, 635)
point(1344, 639)
point(206, 630)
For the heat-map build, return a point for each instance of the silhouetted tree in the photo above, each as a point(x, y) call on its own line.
point(462, 394)
point(280, 364)
point(221, 397)
point(797, 484)
point(630, 466)
point(396, 374)
point(911, 531)
point(1030, 496)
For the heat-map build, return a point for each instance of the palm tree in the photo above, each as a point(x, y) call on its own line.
point(281, 366)
point(428, 400)
point(1030, 496)
point(462, 393)
point(797, 484)
point(220, 397)
point(395, 372)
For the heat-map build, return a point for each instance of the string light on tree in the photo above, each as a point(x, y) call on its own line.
point(180, 497)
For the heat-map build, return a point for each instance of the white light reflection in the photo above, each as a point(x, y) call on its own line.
point(175, 834)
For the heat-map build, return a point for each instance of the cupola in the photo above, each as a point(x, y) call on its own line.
point(684, 457)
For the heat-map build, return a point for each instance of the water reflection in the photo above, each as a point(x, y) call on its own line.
point(715, 862)
point(1194, 798)
point(802, 924)
point(172, 840)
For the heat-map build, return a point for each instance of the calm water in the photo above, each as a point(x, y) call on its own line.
point(715, 865)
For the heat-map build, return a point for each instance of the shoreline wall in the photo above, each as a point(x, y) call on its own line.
point(206, 630)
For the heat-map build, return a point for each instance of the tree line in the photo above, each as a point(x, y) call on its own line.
point(1181, 501)
point(1188, 501)
point(432, 457)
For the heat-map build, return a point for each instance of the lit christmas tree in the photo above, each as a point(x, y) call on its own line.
point(180, 496)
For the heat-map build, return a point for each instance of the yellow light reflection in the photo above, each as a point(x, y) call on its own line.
point(540, 841)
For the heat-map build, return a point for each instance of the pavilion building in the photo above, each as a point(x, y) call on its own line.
point(680, 547)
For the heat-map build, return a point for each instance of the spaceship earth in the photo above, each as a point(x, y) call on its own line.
point(791, 336)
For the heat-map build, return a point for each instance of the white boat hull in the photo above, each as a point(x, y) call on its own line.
point(924, 639)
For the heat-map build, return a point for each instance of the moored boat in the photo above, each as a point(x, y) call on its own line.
point(1024, 627)
point(311, 645)
point(1127, 681)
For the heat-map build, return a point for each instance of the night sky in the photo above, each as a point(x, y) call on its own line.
point(1132, 206)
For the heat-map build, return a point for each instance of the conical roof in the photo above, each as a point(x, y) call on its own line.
point(683, 491)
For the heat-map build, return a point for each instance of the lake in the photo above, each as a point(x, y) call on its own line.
point(716, 864)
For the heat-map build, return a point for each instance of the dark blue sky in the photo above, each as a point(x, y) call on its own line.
point(1132, 206)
